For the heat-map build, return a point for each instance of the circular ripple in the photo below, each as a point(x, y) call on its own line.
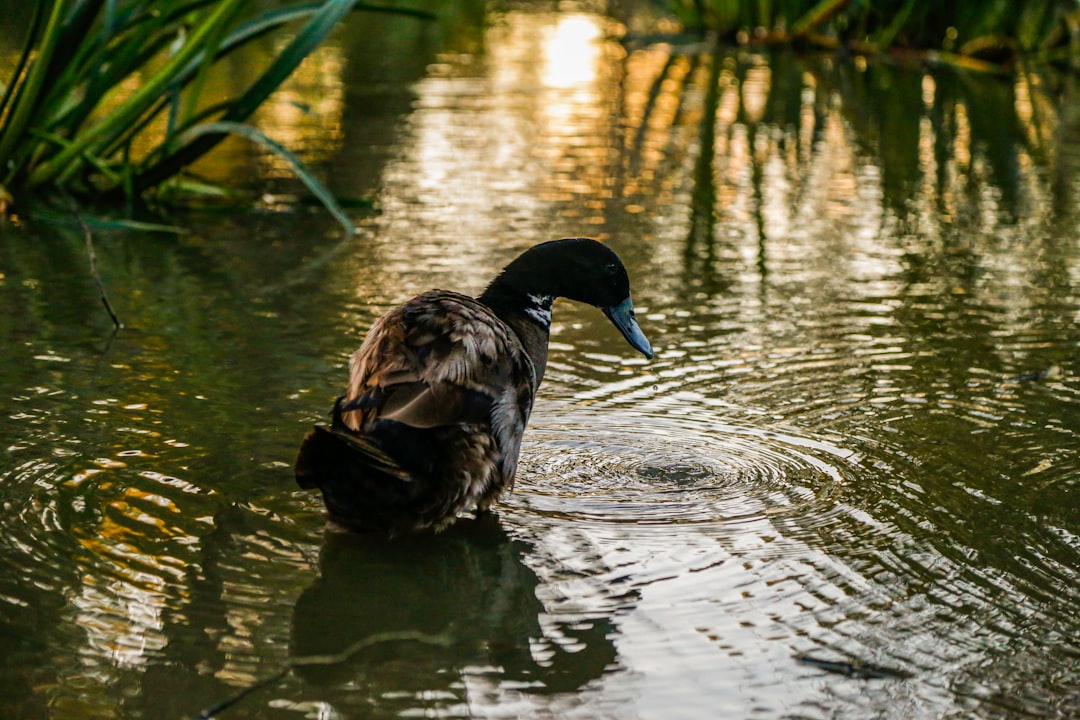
point(658, 469)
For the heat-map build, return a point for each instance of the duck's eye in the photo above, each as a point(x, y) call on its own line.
point(610, 268)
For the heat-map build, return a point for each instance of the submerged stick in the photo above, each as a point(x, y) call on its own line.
point(93, 264)
point(854, 668)
point(332, 659)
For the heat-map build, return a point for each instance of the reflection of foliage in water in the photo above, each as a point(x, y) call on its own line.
point(965, 29)
point(959, 155)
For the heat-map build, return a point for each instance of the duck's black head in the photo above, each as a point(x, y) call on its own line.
point(578, 269)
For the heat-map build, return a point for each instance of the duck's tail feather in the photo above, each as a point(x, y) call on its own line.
point(326, 452)
point(356, 476)
point(362, 487)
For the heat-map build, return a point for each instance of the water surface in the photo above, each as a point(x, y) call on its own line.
point(858, 441)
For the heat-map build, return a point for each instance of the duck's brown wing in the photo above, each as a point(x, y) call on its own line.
point(439, 360)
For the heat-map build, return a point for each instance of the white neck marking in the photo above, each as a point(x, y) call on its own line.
point(539, 309)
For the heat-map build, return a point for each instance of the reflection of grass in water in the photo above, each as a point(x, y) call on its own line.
point(940, 134)
point(109, 98)
point(791, 162)
point(969, 32)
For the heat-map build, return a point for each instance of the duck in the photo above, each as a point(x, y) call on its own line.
point(441, 389)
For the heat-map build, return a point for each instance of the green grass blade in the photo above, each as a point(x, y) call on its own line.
point(884, 39)
point(132, 131)
point(70, 114)
point(250, 30)
point(111, 15)
point(63, 164)
point(59, 141)
point(79, 53)
point(75, 36)
point(306, 40)
point(100, 63)
point(29, 95)
point(189, 103)
point(273, 19)
point(140, 37)
point(320, 191)
point(9, 92)
point(817, 15)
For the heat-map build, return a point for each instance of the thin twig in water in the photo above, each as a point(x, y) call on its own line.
point(345, 655)
point(855, 668)
point(93, 263)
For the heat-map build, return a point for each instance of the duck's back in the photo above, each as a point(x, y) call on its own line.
point(431, 423)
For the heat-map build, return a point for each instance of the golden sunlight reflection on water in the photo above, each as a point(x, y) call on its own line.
point(570, 51)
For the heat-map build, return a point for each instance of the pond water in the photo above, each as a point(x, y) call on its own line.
point(859, 441)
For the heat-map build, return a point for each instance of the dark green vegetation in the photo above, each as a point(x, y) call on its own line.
point(965, 31)
point(109, 98)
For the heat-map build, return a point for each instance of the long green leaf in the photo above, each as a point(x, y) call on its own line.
point(63, 164)
point(29, 94)
point(75, 37)
point(271, 20)
point(103, 60)
point(190, 103)
point(53, 130)
point(101, 166)
point(250, 30)
point(222, 128)
point(817, 15)
point(309, 37)
point(142, 37)
point(72, 110)
point(245, 33)
point(111, 223)
point(884, 39)
point(10, 91)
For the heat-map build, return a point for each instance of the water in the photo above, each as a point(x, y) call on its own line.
point(858, 441)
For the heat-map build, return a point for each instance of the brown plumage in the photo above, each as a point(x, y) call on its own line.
point(442, 387)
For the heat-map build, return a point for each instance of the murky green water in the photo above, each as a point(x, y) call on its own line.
point(858, 441)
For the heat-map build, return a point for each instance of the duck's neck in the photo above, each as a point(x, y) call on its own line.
point(528, 315)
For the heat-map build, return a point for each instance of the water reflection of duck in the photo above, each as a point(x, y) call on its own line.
point(468, 584)
point(441, 389)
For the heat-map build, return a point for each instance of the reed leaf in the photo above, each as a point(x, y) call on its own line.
point(179, 155)
point(64, 164)
point(28, 95)
point(274, 19)
point(96, 76)
point(222, 128)
point(11, 89)
point(884, 38)
point(817, 15)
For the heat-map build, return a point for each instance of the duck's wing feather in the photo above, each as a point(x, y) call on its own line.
point(442, 359)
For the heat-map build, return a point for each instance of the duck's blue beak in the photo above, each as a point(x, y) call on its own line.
point(622, 317)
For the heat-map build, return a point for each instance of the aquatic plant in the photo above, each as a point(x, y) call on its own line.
point(965, 32)
point(107, 98)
